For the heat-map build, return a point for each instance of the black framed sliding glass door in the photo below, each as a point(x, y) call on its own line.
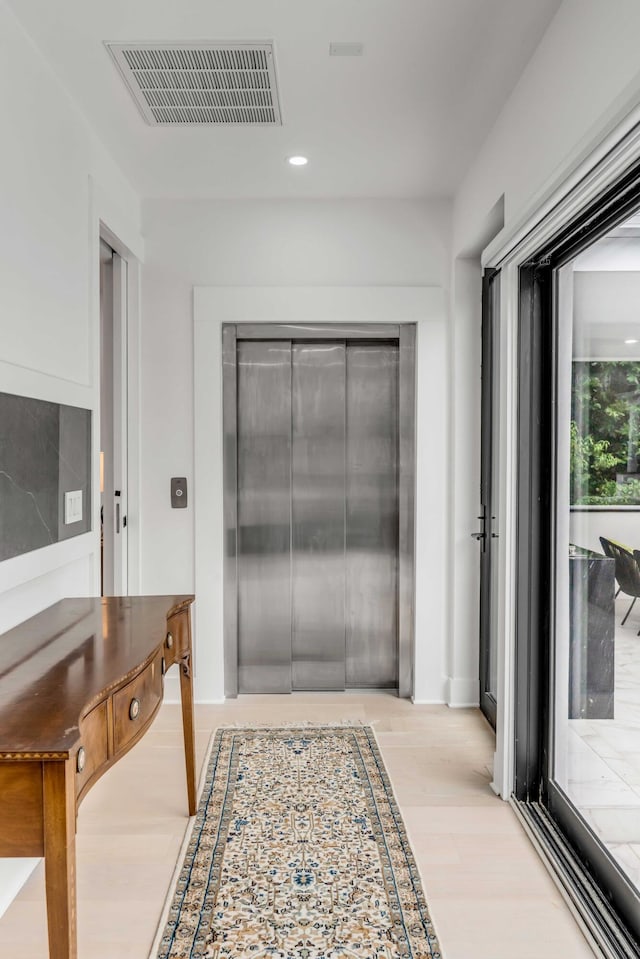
point(578, 631)
point(487, 533)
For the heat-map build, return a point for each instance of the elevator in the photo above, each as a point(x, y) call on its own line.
point(316, 443)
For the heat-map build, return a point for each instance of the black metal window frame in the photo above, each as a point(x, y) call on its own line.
point(605, 898)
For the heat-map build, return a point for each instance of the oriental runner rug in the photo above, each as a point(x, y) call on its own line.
point(297, 851)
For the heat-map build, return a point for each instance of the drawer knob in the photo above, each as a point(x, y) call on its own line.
point(169, 640)
point(134, 708)
point(81, 759)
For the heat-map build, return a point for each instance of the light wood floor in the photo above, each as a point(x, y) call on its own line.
point(489, 894)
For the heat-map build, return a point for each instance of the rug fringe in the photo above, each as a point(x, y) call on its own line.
point(301, 724)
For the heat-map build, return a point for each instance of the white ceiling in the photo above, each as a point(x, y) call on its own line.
point(403, 120)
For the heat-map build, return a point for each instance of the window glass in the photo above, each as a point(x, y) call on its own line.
point(596, 756)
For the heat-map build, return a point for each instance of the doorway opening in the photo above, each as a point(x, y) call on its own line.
point(113, 423)
point(319, 451)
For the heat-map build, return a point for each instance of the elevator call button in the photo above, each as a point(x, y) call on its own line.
point(178, 492)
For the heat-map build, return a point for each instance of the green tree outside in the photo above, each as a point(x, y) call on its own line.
point(605, 433)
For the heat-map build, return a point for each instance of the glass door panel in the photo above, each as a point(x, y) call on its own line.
point(595, 746)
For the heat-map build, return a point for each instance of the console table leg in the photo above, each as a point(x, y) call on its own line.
point(186, 695)
point(60, 857)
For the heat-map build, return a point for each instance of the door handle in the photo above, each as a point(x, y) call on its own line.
point(481, 534)
point(117, 517)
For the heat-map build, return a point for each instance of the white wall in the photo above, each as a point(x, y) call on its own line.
point(280, 244)
point(55, 181)
point(465, 357)
point(622, 526)
point(582, 77)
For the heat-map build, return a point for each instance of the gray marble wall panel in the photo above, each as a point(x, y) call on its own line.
point(45, 451)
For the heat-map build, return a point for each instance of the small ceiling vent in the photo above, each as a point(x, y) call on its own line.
point(346, 49)
point(178, 84)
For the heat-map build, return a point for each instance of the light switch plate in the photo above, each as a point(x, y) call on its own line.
point(73, 507)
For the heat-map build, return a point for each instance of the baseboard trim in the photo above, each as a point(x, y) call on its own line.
point(463, 693)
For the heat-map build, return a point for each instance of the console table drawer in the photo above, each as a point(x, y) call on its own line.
point(93, 750)
point(135, 704)
point(177, 640)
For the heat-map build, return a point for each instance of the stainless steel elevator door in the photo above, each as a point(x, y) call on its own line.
point(318, 515)
point(264, 517)
point(372, 515)
point(317, 475)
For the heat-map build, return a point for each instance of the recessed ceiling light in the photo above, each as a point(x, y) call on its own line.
point(298, 161)
point(630, 342)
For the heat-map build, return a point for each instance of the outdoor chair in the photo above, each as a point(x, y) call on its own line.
point(627, 570)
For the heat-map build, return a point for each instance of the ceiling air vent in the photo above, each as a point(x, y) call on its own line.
point(346, 49)
point(178, 84)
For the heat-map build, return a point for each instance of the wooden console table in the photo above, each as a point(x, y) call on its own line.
point(79, 685)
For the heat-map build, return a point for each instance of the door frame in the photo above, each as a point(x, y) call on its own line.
point(581, 181)
point(528, 261)
point(114, 526)
point(106, 226)
point(405, 334)
point(535, 720)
